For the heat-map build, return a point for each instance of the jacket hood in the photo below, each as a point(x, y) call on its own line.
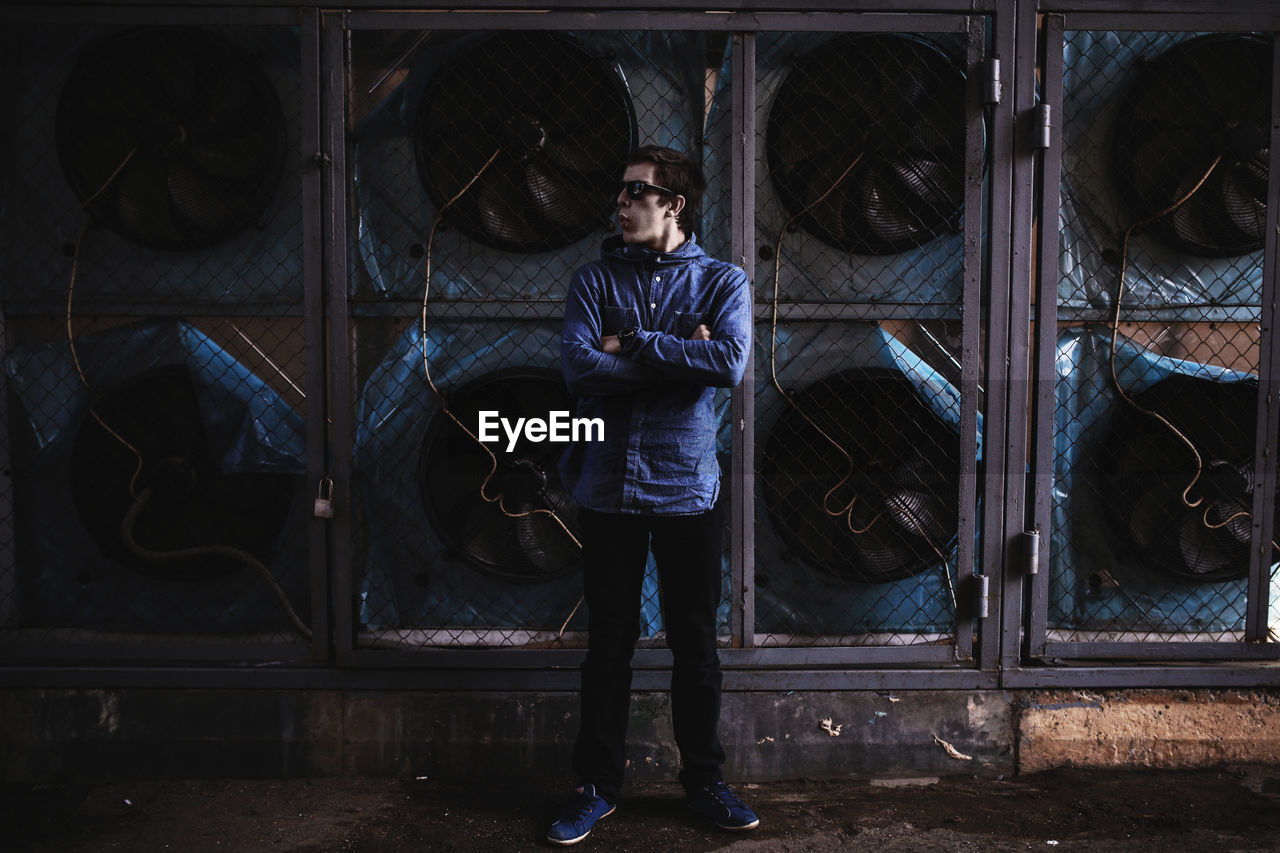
point(615, 248)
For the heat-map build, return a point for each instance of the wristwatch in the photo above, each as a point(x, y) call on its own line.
point(626, 336)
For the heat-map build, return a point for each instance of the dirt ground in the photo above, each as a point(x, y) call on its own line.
point(1233, 809)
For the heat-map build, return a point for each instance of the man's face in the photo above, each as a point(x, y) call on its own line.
point(648, 220)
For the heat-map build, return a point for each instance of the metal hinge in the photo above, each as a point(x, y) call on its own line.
point(1031, 551)
point(992, 86)
point(981, 596)
point(1043, 121)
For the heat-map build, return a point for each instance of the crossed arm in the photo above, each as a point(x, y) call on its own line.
point(610, 344)
point(714, 354)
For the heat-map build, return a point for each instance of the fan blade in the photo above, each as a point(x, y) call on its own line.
point(885, 213)
point(557, 199)
point(932, 184)
point(923, 515)
point(1201, 221)
point(141, 199)
point(501, 208)
point(485, 533)
point(560, 502)
point(544, 545)
point(878, 560)
point(1232, 519)
point(245, 155)
point(1245, 210)
point(1208, 554)
point(582, 153)
point(196, 203)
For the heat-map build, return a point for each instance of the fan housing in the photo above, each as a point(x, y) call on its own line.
point(1204, 99)
point(519, 544)
point(172, 137)
point(192, 504)
point(896, 105)
point(560, 119)
point(903, 477)
point(1144, 467)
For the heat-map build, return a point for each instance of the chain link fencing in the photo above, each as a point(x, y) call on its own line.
point(486, 168)
point(860, 193)
point(152, 276)
point(1166, 148)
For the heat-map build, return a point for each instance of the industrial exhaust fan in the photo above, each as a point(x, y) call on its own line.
point(1165, 158)
point(518, 140)
point(557, 120)
point(889, 110)
point(158, 494)
point(172, 137)
point(899, 485)
point(492, 510)
point(456, 542)
point(859, 489)
point(1145, 468)
point(1200, 110)
point(143, 458)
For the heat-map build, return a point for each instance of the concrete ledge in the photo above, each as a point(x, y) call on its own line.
point(1155, 728)
point(54, 734)
point(60, 734)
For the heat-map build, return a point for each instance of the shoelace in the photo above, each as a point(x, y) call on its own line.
point(584, 803)
point(725, 796)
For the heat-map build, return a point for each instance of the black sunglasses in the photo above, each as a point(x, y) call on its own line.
point(635, 189)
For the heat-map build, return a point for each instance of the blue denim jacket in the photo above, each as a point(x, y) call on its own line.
point(656, 399)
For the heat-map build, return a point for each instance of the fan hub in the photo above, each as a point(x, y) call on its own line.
point(161, 134)
point(523, 136)
point(1224, 480)
point(524, 482)
point(1246, 140)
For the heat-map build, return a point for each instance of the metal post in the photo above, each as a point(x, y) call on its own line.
point(333, 68)
point(1257, 615)
point(1043, 371)
point(743, 204)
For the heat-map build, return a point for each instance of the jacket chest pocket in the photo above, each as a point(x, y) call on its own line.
point(617, 318)
point(686, 322)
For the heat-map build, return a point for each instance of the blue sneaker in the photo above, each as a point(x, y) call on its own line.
point(580, 816)
point(718, 802)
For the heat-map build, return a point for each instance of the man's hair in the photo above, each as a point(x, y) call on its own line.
point(676, 172)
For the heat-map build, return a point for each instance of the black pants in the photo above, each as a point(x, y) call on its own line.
point(687, 550)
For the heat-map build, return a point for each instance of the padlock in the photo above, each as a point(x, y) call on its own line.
point(324, 499)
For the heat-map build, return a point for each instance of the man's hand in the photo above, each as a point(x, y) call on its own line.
point(609, 343)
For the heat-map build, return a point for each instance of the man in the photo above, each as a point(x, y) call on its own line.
point(650, 331)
